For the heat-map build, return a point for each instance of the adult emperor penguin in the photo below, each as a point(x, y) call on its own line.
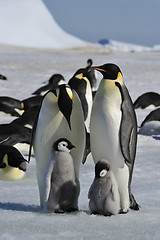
point(12, 163)
point(54, 81)
point(103, 193)
point(80, 83)
point(64, 184)
point(60, 116)
point(113, 130)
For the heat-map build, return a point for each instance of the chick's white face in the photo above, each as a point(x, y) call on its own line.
point(63, 146)
point(103, 173)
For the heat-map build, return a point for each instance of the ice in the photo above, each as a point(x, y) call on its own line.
point(21, 216)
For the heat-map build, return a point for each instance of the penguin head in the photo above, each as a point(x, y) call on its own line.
point(110, 71)
point(2, 77)
point(101, 168)
point(63, 145)
point(89, 62)
point(64, 94)
point(81, 74)
point(56, 79)
point(13, 160)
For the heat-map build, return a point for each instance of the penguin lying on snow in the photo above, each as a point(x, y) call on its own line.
point(152, 116)
point(60, 116)
point(103, 193)
point(12, 102)
point(12, 163)
point(64, 184)
point(28, 117)
point(31, 101)
point(147, 100)
point(53, 82)
point(113, 130)
point(15, 135)
point(2, 77)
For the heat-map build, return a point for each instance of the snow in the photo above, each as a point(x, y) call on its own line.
point(126, 47)
point(21, 216)
point(29, 23)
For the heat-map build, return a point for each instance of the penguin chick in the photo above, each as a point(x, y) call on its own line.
point(64, 186)
point(12, 163)
point(103, 193)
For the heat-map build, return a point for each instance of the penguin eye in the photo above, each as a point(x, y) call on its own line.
point(103, 173)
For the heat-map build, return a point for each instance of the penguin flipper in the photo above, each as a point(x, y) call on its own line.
point(33, 135)
point(128, 128)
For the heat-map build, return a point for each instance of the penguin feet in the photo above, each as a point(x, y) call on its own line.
point(123, 211)
point(133, 204)
point(66, 210)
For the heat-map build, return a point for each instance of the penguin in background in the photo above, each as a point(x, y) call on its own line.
point(2, 77)
point(80, 83)
point(113, 131)
point(12, 164)
point(147, 100)
point(60, 116)
point(103, 193)
point(53, 82)
point(152, 116)
point(91, 75)
point(64, 184)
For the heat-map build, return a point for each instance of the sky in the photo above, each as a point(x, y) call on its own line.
point(131, 21)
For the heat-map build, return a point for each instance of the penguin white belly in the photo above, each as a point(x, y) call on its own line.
point(105, 125)
point(11, 174)
point(89, 101)
point(105, 143)
point(50, 127)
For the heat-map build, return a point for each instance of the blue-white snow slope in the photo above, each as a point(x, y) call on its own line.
point(20, 214)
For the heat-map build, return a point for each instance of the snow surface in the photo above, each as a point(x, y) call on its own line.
point(29, 23)
point(21, 216)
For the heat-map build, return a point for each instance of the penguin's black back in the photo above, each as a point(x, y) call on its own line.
point(146, 99)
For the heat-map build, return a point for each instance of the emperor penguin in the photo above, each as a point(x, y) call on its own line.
point(64, 184)
point(2, 77)
point(54, 81)
point(91, 75)
point(103, 193)
point(113, 130)
point(12, 163)
point(80, 83)
point(60, 116)
point(147, 100)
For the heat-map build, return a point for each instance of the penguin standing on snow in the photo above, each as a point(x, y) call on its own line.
point(103, 193)
point(12, 163)
point(80, 83)
point(60, 116)
point(113, 130)
point(91, 75)
point(65, 187)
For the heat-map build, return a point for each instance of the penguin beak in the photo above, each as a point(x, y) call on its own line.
point(65, 102)
point(99, 69)
point(96, 68)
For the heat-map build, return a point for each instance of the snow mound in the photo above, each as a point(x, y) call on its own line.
point(30, 24)
point(121, 46)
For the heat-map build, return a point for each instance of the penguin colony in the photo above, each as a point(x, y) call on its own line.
point(65, 122)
